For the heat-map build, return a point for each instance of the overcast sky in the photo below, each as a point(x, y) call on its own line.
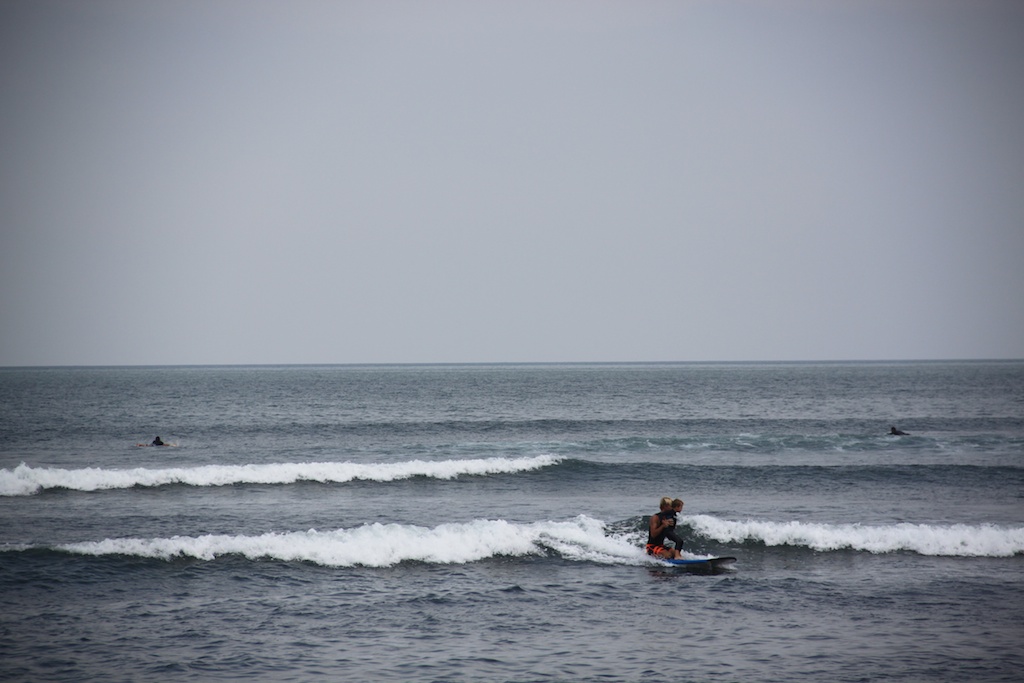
point(242, 181)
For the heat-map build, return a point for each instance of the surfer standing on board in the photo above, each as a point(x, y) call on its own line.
point(659, 527)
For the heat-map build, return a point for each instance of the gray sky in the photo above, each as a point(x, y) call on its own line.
point(242, 181)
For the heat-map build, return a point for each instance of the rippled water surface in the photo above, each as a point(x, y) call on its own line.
point(472, 523)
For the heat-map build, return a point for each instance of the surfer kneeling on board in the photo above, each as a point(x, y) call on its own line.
point(659, 527)
point(671, 534)
point(158, 442)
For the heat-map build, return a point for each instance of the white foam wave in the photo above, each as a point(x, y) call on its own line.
point(954, 540)
point(25, 480)
point(385, 545)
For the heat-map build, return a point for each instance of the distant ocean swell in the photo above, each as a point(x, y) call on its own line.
point(857, 427)
point(25, 480)
point(785, 477)
point(605, 436)
point(752, 442)
point(699, 440)
point(581, 539)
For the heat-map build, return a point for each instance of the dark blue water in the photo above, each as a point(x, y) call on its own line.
point(471, 523)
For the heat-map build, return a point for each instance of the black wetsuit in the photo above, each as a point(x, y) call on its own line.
point(655, 542)
point(671, 534)
point(158, 442)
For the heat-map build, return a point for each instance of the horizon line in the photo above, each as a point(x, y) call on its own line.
point(877, 361)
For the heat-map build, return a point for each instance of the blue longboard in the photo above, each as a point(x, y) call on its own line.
point(706, 564)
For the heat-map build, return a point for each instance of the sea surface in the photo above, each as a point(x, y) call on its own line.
point(486, 523)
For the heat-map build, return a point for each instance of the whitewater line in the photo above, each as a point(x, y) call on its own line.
point(385, 545)
point(952, 540)
point(25, 480)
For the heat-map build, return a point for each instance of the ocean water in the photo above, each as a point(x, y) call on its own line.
point(486, 523)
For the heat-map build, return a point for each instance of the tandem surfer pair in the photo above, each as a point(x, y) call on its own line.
point(665, 544)
point(662, 528)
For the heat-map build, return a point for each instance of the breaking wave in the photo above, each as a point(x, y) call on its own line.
point(385, 545)
point(581, 539)
point(25, 480)
point(954, 540)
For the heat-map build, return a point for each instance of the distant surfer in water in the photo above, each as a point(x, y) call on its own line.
point(661, 525)
point(896, 432)
point(158, 442)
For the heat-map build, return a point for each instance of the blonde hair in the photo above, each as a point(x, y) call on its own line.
point(665, 502)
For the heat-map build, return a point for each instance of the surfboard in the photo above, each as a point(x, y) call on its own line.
point(707, 563)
